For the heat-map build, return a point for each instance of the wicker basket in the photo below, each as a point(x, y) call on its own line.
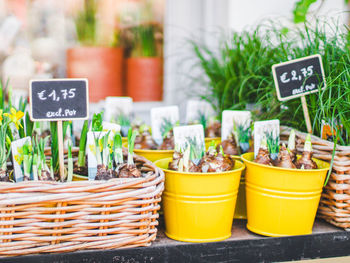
point(45, 217)
point(335, 200)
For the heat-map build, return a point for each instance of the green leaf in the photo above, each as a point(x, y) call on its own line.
point(82, 144)
point(97, 122)
point(300, 10)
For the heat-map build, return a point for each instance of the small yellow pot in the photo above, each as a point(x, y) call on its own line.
point(199, 207)
point(282, 201)
point(207, 141)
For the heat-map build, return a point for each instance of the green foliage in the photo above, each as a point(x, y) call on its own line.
point(241, 74)
point(235, 71)
point(166, 126)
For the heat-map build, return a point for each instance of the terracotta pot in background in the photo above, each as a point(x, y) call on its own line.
point(144, 78)
point(102, 66)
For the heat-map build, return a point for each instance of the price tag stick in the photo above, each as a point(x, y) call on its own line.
point(306, 114)
point(60, 149)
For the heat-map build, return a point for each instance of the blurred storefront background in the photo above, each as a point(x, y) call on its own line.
point(137, 48)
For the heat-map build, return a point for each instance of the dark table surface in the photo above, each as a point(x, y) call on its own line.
point(243, 246)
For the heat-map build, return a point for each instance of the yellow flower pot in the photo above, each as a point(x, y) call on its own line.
point(241, 207)
point(282, 201)
point(154, 155)
point(207, 141)
point(199, 207)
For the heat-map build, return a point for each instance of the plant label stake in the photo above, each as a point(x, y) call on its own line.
point(298, 78)
point(59, 100)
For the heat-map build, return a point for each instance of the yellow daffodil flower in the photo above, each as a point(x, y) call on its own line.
point(1, 118)
point(15, 117)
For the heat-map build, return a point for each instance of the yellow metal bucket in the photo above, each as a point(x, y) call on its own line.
point(281, 201)
point(199, 207)
point(207, 141)
point(154, 155)
point(241, 207)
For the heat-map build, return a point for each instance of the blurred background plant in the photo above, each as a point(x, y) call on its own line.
point(85, 23)
point(141, 34)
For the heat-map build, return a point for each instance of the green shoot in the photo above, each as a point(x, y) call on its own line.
point(307, 144)
point(9, 92)
point(52, 173)
point(222, 151)
point(202, 119)
point(131, 142)
point(35, 167)
point(118, 152)
point(82, 144)
point(70, 162)
point(97, 120)
point(27, 159)
point(98, 149)
point(4, 150)
point(54, 146)
point(105, 149)
point(28, 125)
point(212, 148)
point(291, 140)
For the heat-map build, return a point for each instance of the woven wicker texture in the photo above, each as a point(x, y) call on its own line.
point(335, 200)
point(43, 217)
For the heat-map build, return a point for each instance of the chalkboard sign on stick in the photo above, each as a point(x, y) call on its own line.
point(58, 99)
point(298, 77)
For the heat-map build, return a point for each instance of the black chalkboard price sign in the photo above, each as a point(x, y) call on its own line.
point(58, 99)
point(298, 77)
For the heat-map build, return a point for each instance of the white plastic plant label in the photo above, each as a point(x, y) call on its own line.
point(109, 126)
point(117, 107)
point(17, 157)
point(196, 109)
point(269, 131)
point(94, 152)
point(161, 118)
point(193, 136)
point(231, 118)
